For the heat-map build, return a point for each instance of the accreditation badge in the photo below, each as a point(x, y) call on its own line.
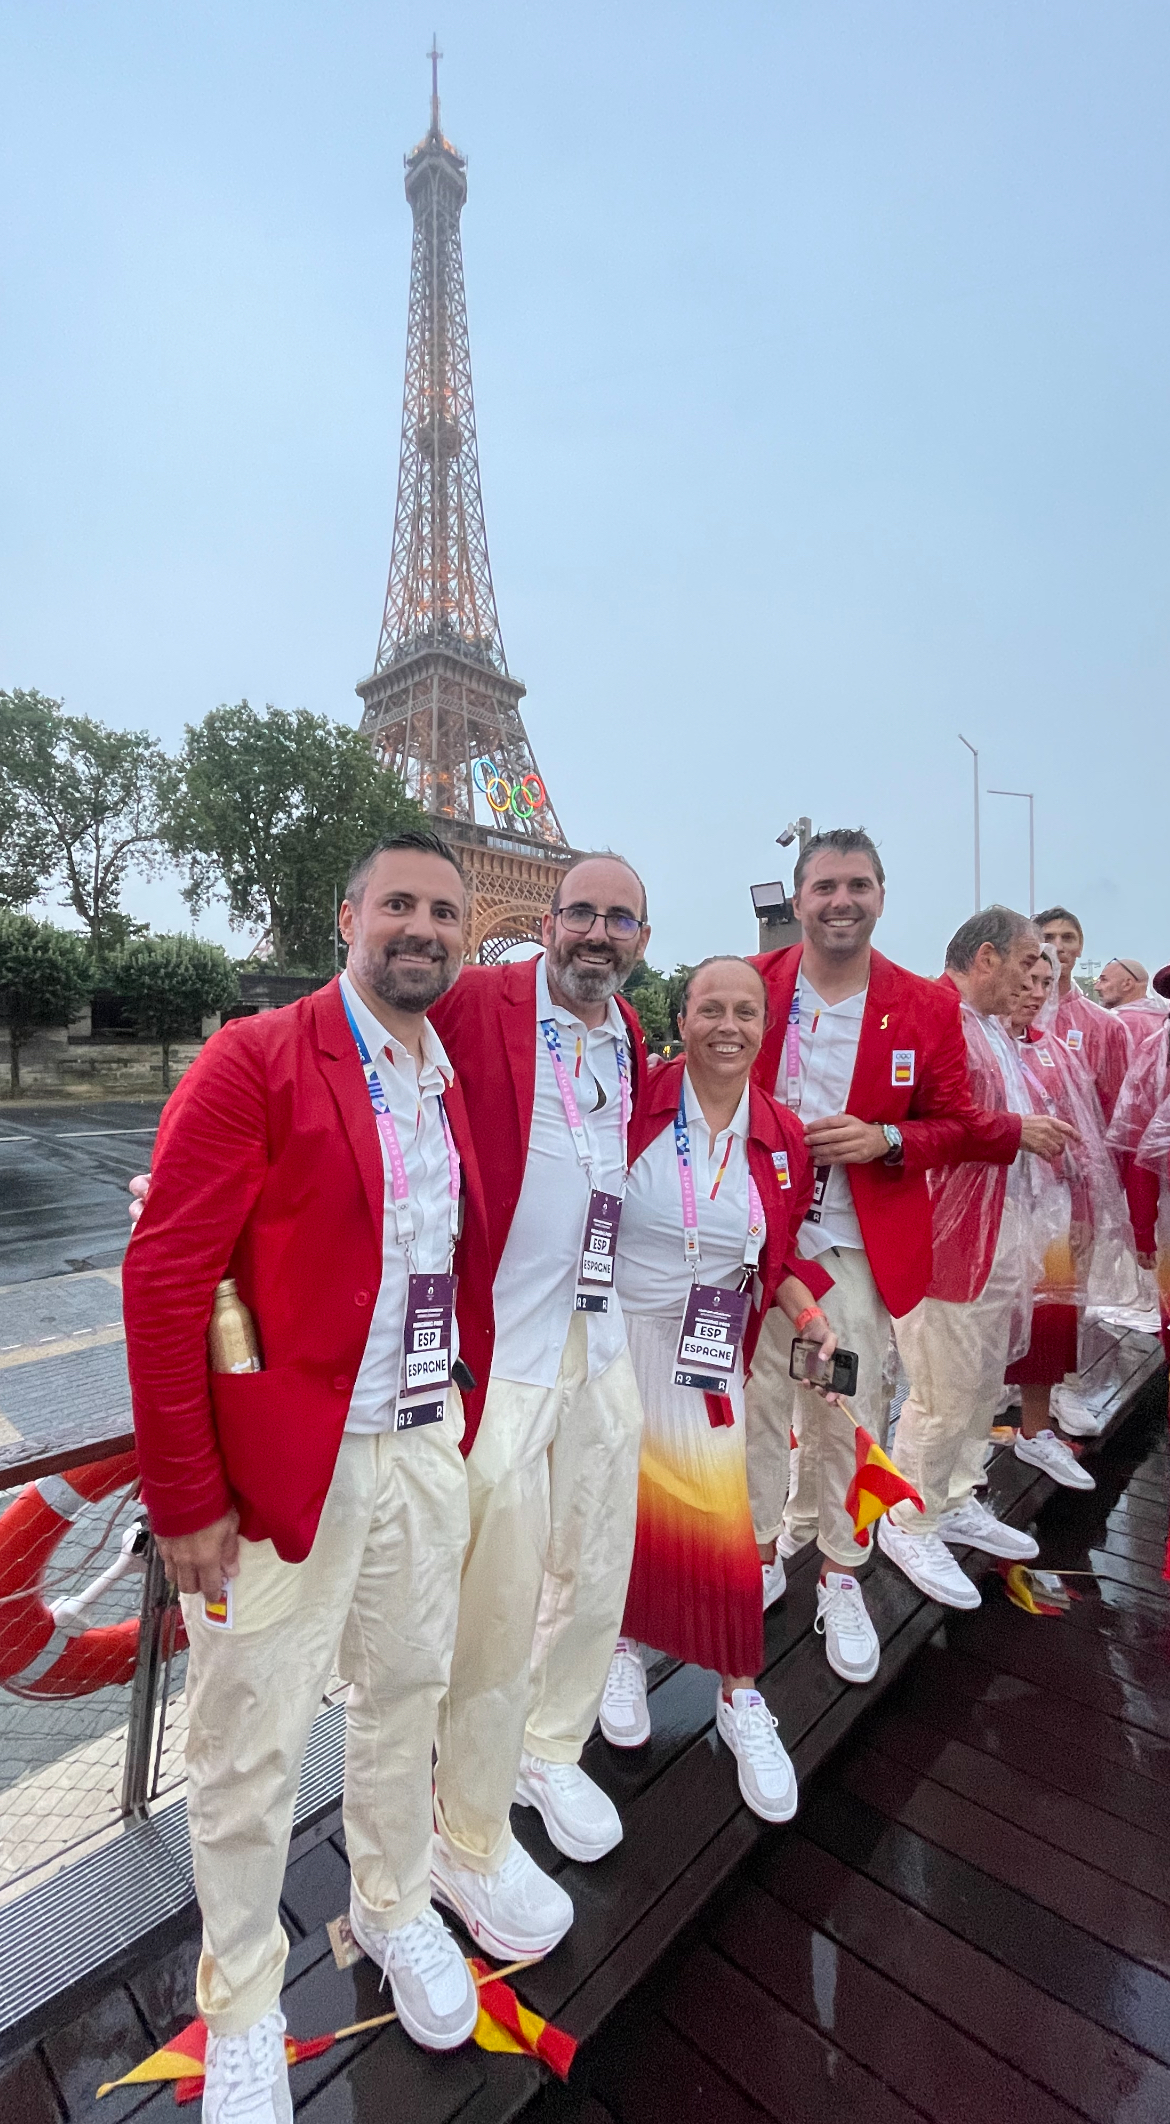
point(780, 1162)
point(598, 1252)
point(902, 1069)
point(426, 1351)
point(710, 1338)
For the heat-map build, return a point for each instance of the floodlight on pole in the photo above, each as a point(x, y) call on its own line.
point(975, 765)
point(1029, 795)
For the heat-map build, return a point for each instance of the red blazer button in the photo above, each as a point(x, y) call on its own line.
point(341, 1383)
point(361, 1297)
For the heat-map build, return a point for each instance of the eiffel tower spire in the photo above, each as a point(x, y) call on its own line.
point(441, 706)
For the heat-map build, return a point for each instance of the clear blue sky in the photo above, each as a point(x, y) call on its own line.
point(820, 353)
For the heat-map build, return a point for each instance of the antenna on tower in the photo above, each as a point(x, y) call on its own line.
point(434, 55)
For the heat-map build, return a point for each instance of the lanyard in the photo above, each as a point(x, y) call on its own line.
point(792, 1052)
point(690, 1207)
point(399, 1183)
point(552, 1041)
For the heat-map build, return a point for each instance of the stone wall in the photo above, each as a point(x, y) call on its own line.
point(53, 1065)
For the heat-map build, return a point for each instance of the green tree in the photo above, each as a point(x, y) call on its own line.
point(271, 809)
point(656, 998)
point(88, 805)
point(169, 984)
point(45, 976)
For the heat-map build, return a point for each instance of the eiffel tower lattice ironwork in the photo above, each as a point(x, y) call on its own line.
point(441, 707)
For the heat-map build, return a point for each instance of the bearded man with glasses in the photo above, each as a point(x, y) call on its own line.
point(551, 1061)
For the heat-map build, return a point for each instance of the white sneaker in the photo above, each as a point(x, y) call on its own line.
point(789, 1544)
point(851, 1642)
point(432, 1986)
point(625, 1715)
point(517, 1911)
point(973, 1526)
point(767, 1779)
point(1046, 1451)
point(246, 2076)
point(1073, 1413)
point(775, 1583)
point(1012, 1397)
point(581, 1821)
point(927, 1562)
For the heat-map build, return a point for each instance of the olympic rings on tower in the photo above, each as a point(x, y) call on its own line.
point(522, 798)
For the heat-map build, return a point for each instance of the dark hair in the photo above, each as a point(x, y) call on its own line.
point(997, 926)
point(846, 840)
point(594, 855)
point(718, 958)
point(411, 837)
point(1059, 914)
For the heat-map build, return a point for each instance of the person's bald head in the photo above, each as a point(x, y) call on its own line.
point(1122, 981)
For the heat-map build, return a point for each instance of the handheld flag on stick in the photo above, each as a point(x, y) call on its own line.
point(877, 1484)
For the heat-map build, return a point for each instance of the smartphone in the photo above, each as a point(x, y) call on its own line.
point(837, 1376)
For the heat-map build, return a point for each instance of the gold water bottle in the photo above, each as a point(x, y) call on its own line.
point(232, 1344)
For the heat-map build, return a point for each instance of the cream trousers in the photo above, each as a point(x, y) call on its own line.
point(383, 1577)
point(777, 1406)
point(553, 1476)
point(955, 1356)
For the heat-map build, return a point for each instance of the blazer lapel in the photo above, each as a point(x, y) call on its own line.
point(781, 989)
point(343, 1072)
point(518, 1032)
point(876, 1043)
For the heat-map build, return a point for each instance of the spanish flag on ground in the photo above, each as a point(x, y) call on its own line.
point(877, 1484)
point(503, 2024)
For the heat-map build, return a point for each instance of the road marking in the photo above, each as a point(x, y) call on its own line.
point(75, 1135)
point(64, 1345)
point(18, 1139)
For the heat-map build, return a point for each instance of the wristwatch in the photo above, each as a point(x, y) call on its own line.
point(893, 1137)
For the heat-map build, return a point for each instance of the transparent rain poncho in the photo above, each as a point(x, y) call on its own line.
point(1141, 1130)
point(1091, 1259)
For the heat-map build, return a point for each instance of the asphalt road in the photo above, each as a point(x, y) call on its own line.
point(63, 1175)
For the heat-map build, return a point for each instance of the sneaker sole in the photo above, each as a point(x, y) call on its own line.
point(425, 2038)
point(627, 1740)
point(504, 1950)
point(585, 1854)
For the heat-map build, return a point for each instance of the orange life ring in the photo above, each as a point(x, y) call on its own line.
point(29, 1532)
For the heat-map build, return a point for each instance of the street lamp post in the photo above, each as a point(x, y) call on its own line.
point(975, 765)
point(1031, 802)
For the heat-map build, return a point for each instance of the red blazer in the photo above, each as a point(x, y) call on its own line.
point(939, 1122)
point(487, 1023)
point(268, 1168)
point(770, 1128)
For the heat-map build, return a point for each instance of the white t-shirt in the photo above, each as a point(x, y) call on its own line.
point(829, 1033)
point(652, 1274)
point(413, 1099)
point(536, 1280)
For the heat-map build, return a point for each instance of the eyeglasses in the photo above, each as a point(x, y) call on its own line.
point(620, 924)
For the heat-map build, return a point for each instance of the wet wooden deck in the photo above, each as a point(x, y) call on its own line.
point(969, 1920)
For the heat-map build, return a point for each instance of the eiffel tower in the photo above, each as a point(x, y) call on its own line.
point(441, 706)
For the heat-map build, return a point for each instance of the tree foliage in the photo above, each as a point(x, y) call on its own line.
point(656, 998)
point(170, 984)
point(46, 974)
point(85, 805)
point(271, 809)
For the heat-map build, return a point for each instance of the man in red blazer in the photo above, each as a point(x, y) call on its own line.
point(873, 1060)
point(321, 1156)
point(551, 1060)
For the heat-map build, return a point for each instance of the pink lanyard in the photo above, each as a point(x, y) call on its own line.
point(552, 1041)
point(792, 1052)
point(690, 1208)
point(399, 1183)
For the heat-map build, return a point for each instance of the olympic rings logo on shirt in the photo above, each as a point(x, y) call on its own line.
point(522, 798)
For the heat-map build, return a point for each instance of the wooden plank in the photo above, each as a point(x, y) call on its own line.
point(1122, 1682)
point(660, 2079)
point(100, 2044)
point(1086, 2066)
point(934, 2066)
point(27, 2094)
point(791, 2070)
point(1071, 1824)
point(1002, 1921)
point(316, 1887)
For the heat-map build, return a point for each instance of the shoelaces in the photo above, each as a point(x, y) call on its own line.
point(755, 1730)
point(622, 1683)
point(847, 1609)
point(252, 2059)
point(422, 1945)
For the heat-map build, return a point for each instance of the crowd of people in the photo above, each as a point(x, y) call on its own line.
point(563, 1350)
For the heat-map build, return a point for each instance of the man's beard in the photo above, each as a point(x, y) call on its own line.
point(590, 984)
point(410, 989)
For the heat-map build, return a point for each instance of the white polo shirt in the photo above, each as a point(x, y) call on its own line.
point(413, 1098)
point(652, 1272)
point(536, 1280)
point(829, 1035)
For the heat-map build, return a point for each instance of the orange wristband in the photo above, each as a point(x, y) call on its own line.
point(811, 1312)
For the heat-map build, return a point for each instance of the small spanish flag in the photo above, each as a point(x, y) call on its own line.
point(182, 2060)
point(504, 2024)
point(877, 1484)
